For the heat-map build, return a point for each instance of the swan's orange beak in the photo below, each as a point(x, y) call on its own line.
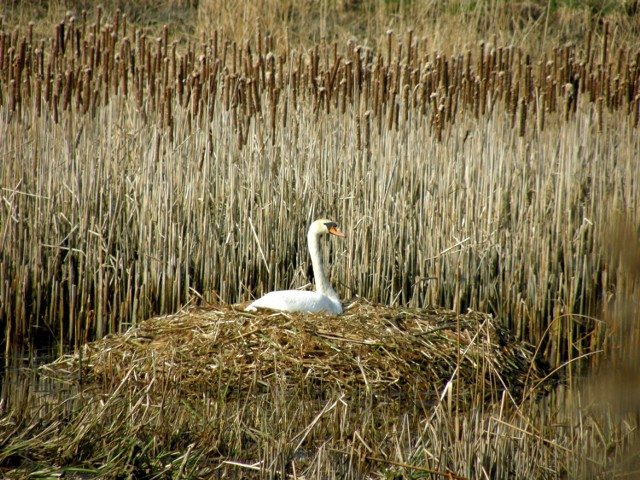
point(334, 230)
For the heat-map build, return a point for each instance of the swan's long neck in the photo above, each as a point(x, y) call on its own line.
point(322, 284)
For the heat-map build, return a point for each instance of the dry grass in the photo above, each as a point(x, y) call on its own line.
point(482, 155)
point(371, 348)
point(373, 393)
point(138, 171)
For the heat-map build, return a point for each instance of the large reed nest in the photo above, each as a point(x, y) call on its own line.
point(222, 349)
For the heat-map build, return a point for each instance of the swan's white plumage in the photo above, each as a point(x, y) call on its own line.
point(296, 301)
point(324, 298)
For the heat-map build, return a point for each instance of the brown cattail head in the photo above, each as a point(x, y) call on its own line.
point(522, 117)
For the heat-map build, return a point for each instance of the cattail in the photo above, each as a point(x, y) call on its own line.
point(614, 92)
point(367, 131)
point(255, 94)
point(12, 95)
point(168, 93)
point(55, 106)
point(224, 52)
point(515, 97)
point(483, 92)
point(86, 86)
point(227, 87)
point(197, 94)
point(382, 84)
point(365, 96)
point(37, 98)
point(522, 118)
point(20, 61)
point(334, 72)
point(391, 105)
point(439, 123)
point(600, 110)
point(139, 86)
point(115, 74)
point(163, 43)
point(47, 84)
point(397, 71)
point(348, 80)
point(274, 110)
point(358, 134)
point(281, 61)
point(95, 99)
point(541, 112)
point(294, 90)
point(98, 17)
point(59, 42)
point(57, 86)
point(605, 44)
point(214, 45)
point(284, 113)
point(481, 64)
point(449, 107)
point(357, 74)
point(3, 49)
point(26, 84)
point(528, 80)
point(476, 97)
point(553, 95)
point(405, 106)
point(569, 93)
point(180, 82)
point(240, 140)
point(124, 77)
point(68, 85)
point(379, 116)
point(327, 98)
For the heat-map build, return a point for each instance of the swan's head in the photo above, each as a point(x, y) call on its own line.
point(325, 226)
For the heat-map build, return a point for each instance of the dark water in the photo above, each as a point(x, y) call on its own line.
point(21, 385)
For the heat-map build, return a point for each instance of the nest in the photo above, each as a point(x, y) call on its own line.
point(373, 348)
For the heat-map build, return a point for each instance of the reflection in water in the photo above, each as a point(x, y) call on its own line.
point(24, 391)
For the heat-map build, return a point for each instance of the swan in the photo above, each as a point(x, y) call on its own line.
point(324, 298)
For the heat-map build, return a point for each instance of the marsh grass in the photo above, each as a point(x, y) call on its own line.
point(140, 175)
point(220, 393)
point(496, 173)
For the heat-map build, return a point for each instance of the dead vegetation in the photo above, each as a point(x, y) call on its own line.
point(372, 348)
point(142, 172)
point(378, 391)
point(485, 162)
point(267, 394)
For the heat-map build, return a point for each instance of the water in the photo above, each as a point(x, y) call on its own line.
point(23, 389)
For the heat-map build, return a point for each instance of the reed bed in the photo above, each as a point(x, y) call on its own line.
point(374, 393)
point(141, 175)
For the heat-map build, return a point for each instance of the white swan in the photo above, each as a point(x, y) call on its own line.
point(324, 298)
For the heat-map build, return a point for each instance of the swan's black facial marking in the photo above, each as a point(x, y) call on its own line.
point(331, 225)
point(333, 229)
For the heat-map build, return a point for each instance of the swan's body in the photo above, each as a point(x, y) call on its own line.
point(324, 298)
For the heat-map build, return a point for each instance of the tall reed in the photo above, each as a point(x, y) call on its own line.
point(140, 175)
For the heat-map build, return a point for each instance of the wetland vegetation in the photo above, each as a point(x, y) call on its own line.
point(162, 161)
